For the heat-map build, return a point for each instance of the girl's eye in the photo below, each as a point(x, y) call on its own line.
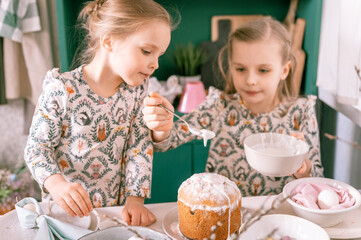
point(145, 52)
point(263, 70)
point(240, 69)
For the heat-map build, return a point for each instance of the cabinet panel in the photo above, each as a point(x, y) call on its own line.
point(170, 169)
point(200, 155)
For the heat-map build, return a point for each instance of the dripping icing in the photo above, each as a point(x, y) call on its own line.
point(205, 186)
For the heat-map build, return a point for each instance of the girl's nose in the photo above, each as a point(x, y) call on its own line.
point(154, 64)
point(251, 78)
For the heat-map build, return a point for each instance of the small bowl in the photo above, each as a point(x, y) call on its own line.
point(322, 217)
point(275, 164)
point(286, 225)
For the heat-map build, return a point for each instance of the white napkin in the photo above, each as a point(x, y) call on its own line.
point(49, 227)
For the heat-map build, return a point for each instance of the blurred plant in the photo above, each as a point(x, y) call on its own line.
point(333, 137)
point(14, 185)
point(188, 59)
point(250, 219)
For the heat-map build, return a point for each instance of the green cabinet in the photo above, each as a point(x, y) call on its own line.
point(171, 168)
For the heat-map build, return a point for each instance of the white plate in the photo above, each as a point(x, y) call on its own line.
point(348, 229)
point(171, 225)
point(124, 233)
point(284, 225)
point(90, 222)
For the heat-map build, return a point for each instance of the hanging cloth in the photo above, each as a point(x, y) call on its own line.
point(26, 63)
point(340, 51)
point(18, 17)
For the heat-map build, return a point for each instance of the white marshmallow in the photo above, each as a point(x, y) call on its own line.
point(327, 199)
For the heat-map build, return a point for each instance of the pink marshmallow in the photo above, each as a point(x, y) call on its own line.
point(306, 194)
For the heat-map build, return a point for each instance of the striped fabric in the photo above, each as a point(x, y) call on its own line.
point(18, 17)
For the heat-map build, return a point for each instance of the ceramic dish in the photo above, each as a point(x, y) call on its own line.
point(90, 222)
point(323, 217)
point(282, 225)
point(171, 226)
point(274, 154)
point(125, 233)
point(350, 228)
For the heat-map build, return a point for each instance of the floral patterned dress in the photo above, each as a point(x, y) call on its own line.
point(232, 122)
point(101, 143)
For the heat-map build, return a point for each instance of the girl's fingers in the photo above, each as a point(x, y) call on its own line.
point(156, 98)
point(145, 221)
point(151, 217)
point(298, 135)
point(155, 110)
point(73, 205)
point(159, 125)
point(156, 117)
point(153, 100)
point(125, 216)
point(136, 219)
point(303, 168)
point(155, 95)
point(65, 207)
point(86, 199)
point(79, 201)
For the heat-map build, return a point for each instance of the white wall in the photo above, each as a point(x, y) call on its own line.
point(347, 158)
point(12, 139)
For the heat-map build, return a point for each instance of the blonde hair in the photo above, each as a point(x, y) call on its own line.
point(257, 30)
point(114, 17)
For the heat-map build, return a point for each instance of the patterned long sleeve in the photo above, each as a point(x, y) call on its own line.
point(45, 131)
point(309, 128)
point(139, 154)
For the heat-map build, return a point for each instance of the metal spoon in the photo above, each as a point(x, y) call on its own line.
point(205, 134)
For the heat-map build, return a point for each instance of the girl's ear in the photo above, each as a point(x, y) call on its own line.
point(286, 70)
point(106, 42)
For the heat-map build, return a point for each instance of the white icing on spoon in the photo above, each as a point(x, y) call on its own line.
point(205, 134)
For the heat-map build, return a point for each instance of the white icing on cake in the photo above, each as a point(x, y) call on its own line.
point(213, 188)
point(212, 192)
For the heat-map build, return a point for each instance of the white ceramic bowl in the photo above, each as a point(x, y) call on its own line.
point(275, 164)
point(322, 217)
point(286, 225)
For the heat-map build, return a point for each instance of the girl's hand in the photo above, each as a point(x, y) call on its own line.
point(71, 197)
point(134, 212)
point(305, 169)
point(157, 119)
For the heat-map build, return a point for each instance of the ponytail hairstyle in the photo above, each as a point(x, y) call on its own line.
point(258, 30)
point(114, 17)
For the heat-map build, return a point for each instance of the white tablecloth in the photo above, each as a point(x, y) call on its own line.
point(10, 228)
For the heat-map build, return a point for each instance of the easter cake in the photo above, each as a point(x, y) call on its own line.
point(209, 204)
